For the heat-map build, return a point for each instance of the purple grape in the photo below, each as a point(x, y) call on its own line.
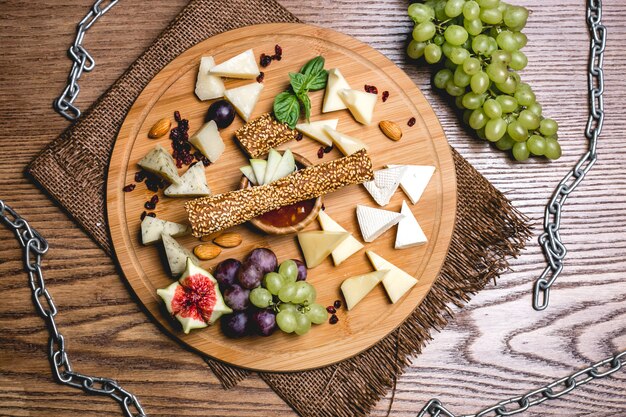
point(264, 322)
point(301, 270)
point(222, 112)
point(237, 298)
point(249, 276)
point(226, 272)
point(235, 325)
point(264, 259)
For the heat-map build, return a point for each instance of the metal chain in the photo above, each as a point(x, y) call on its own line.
point(550, 240)
point(35, 247)
point(82, 61)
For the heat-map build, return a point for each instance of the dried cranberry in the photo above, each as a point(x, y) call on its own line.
point(151, 214)
point(320, 152)
point(278, 50)
point(385, 95)
point(181, 148)
point(328, 149)
point(260, 78)
point(177, 116)
point(143, 215)
point(337, 304)
point(149, 205)
point(265, 60)
point(331, 309)
point(277, 57)
point(299, 136)
point(411, 122)
point(333, 319)
point(154, 199)
point(323, 207)
point(371, 89)
point(129, 188)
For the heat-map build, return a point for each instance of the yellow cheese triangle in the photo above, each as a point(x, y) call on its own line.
point(396, 282)
point(355, 289)
point(347, 248)
point(317, 245)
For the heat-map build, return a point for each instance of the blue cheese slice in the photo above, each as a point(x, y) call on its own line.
point(374, 222)
point(192, 183)
point(208, 86)
point(396, 281)
point(347, 248)
point(177, 255)
point(354, 289)
point(415, 180)
point(315, 130)
point(159, 162)
point(244, 98)
point(384, 184)
point(240, 66)
point(409, 231)
point(152, 228)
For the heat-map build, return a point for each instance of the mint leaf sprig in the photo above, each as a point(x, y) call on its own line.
point(287, 105)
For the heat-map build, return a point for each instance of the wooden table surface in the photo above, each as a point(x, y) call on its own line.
point(495, 348)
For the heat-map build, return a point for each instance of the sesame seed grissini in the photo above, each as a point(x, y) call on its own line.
point(258, 136)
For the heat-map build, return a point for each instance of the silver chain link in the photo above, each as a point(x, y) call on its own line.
point(550, 240)
point(82, 61)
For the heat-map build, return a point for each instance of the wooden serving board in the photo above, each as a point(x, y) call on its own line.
point(423, 144)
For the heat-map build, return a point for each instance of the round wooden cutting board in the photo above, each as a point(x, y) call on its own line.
point(423, 144)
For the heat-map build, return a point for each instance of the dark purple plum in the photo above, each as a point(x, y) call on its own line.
point(226, 272)
point(222, 112)
point(249, 276)
point(237, 298)
point(235, 325)
point(301, 270)
point(264, 259)
point(263, 322)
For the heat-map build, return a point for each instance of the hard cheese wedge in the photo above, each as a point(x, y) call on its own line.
point(355, 289)
point(335, 83)
point(244, 98)
point(374, 222)
point(208, 86)
point(208, 141)
point(415, 180)
point(152, 228)
point(192, 183)
point(409, 231)
point(240, 66)
point(317, 245)
point(249, 173)
point(347, 248)
point(346, 144)
point(285, 167)
point(158, 161)
point(273, 159)
point(385, 184)
point(259, 166)
point(360, 104)
point(396, 281)
point(177, 255)
point(315, 130)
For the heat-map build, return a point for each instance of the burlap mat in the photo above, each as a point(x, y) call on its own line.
point(488, 229)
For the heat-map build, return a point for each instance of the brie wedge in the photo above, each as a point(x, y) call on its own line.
point(317, 245)
point(315, 130)
point(192, 183)
point(360, 104)
point(177, 255)
point(409, 231)
point(249, 173)
point(152, 228)
point(244, 98)
point(355, 289)
point(240, 66)
point(384, 184)
point(347, 248)
point(285, 167)
point(273, 159)
point(336, 82)
point(396, 281)
point(259, 166)
point(208, 141)
point(208, 86)
point(346, 144)
point(374, 222)
point(159, 161)
point(415, 180)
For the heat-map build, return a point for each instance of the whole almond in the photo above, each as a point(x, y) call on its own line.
point(391, 130)
point(160, 128)
point(210, 237)
point(228, 240)
point(207, 251)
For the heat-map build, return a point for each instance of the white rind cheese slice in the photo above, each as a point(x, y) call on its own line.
point(317, 245)
point(315, 130)
point(249, 173)
point(347, 248)
point(240, 66)
point(177, 255)
point(409, 231)
point(259, 166)
point(396, 281)
point(336, 82)
point(355, 289)
point(384, 184)
point(208, 141)
point(346, 144)
point(208, 86)
point(192, 183)
point(244, 98)
point(374, 222)
point(286, 166)
point(415, 180)
point(158, 161)
point(360, 104)
point(152, 228)
point(273, 159)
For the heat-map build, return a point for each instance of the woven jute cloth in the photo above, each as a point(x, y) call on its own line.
point(488, 229)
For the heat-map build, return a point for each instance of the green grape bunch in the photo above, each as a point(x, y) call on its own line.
point(477, 45)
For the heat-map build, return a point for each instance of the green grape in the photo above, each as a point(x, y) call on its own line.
point(506, 41)
point(524, 86)
point(515, 17)
point(273, 282)
point(424, 31)
point(459, 55)
point(472, 101)
point(287, 292)
point(474, 27)
point(415, 50)
point(317, 313)
point(458, 102)
point(289, 270)
point(529, 120)
point(505, 143)
point(450, 65)
point(495, 129)
point(535, 108)
point(480, 44)
point(488, 4)
point(536, 145)
point(521, 39)
point(508, 103)
point(432, 53)
point(461, 79)
point(501, 57)
point(447, 49)
point(509, 86)
point(471, 65)
point(478, 119)
point(466, 116)
point(525, 97)
point(492, 46)
point(490, 16)
point(471, 10)
point(439, 39)
point(497, 72)
point(553, 149)
point(518, 60)
point(481, 133)
point(520, 151)
point(288, 307)
point(442, 77)
point(454, 8)
point(310, 298)
point(503, 7)
point(303, 324)
point(260, 297)
point(303, 290)
point(492, 109)
point(548, 127)
point(455, 35)
point(517, 132)
point(440, 11)
point(286, 321)
point(480, 82)
point(420, 12)
point(453, 89)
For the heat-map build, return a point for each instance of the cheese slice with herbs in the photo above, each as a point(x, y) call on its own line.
point(177, 255)
point(244, 98)
point(354, 289)
point(409, 231)
point(374, 222)
point(192, 183)
point(208, 86)
point(317, 245)
point(160, 162)
point(152, 228)
point(347, 248)
point(415, 180)
point(315, 130)
point(240, 66)
point(360, 104)
point(273, 159)
point(334, 84)
point(384, 184)
point(208, 141)
point(396, 281)
point(346, 144)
